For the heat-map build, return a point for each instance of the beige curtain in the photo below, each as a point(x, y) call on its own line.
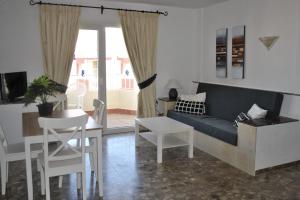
point(59, 30)
point(140, 34)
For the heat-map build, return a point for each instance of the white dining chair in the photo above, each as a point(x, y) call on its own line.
point(12, 152)
point(98, 116)
point(16, 151)
point(76, 93)
point(98, 110)
point(91, 147)
point(59, 101)
point(65, 159)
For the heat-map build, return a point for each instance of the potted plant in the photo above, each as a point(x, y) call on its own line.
point(40, 90)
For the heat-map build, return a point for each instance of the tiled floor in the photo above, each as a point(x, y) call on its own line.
point(132, 174)
point(120, 120)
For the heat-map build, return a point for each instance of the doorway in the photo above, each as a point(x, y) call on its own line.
point(112, 81)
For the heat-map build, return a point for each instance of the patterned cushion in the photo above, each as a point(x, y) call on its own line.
point(240, 118)
point(191, 107)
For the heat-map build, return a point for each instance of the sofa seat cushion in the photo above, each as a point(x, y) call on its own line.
point(212, 126)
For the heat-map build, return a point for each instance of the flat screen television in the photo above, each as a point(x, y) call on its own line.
point(13, 86)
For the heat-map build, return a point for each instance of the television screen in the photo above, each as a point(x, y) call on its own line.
point(13, 85)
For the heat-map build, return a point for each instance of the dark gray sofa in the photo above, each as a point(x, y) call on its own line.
point(223, 104)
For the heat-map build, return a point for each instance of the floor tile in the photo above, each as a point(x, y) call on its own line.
point(132, 173)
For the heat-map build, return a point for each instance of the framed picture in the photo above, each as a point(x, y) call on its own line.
point(221, 53)
point(238, 52)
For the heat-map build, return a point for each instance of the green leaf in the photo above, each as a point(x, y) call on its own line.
point(40, 88)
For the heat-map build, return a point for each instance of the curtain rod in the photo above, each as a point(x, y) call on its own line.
point(32, 3)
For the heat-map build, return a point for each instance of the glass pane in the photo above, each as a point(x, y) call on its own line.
point(121, 86)
point(83, 81)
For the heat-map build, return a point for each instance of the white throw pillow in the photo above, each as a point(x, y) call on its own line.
point(256, 112)
point(201, 97)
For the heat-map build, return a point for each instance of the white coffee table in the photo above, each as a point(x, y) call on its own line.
point(162, 134)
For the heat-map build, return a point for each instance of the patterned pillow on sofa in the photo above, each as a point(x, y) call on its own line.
point(190, 107)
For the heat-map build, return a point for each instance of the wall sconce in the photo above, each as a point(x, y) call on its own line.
point(269, 41)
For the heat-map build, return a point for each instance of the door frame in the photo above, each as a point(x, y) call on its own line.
point(102, 75)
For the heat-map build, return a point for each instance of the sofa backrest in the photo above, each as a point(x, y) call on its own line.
point(227, 102)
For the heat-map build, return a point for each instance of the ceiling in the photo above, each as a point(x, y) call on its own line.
point(176, 3)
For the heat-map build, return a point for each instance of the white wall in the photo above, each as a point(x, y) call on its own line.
point(20, 48)
point(277, 69)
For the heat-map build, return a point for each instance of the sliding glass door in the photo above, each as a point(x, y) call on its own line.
point(101, 69)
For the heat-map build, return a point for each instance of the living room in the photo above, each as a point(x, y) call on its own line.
point(186, 52)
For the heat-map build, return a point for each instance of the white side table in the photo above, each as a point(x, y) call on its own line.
point(165, 104)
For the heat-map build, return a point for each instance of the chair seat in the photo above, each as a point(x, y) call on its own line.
point(60, 163)
point(67, 151)
point(16, 151)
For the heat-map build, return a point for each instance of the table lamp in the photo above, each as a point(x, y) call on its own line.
point(173, 85)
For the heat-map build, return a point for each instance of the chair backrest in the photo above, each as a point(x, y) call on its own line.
point(59, 101)
point(98, 110)
point(3, 142)
point(77, 91)
point(70, 127)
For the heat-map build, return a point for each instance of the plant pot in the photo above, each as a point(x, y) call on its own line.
point(45, 109)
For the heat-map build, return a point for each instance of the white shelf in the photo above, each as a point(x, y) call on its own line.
point(169, 140)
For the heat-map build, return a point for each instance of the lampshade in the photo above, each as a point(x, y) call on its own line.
point(173, 83)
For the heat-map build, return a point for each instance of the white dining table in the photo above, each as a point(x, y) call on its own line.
point(33, 134)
